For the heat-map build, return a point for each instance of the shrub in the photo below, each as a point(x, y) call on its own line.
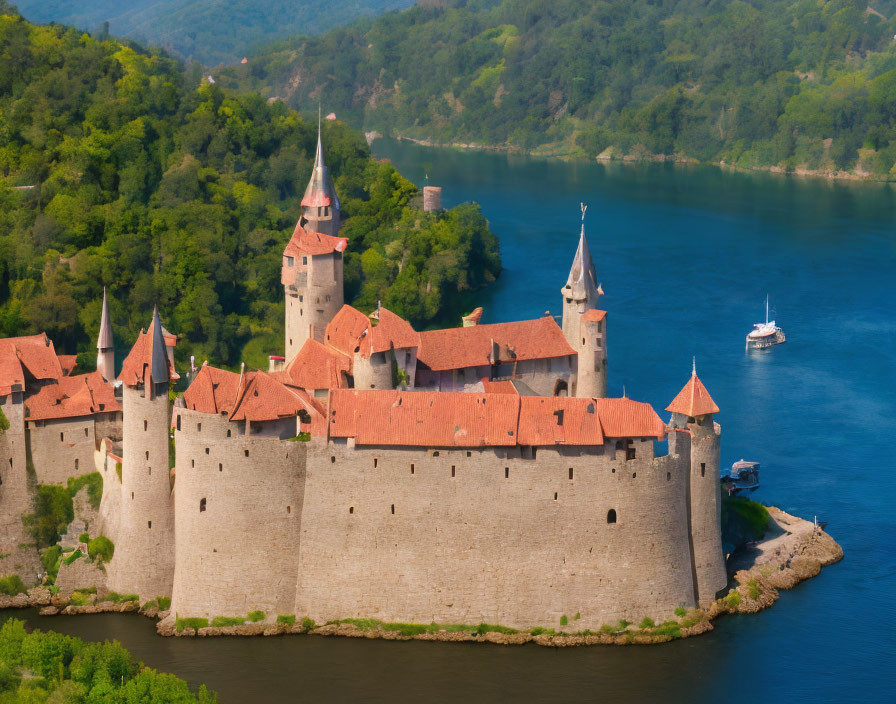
point(669, 628)
point(121, 598)
point(484, 628)
point(83, 538)
point(289, 620)
point(51, 558)
point(72, 557)
point(577, 616)
point(623, 624)
point(181, 623)
point(406, 629)
point(681, 612)
point(118, 470)
point(4, 422)
point(539, 631)
point(733, 599)
point(101, 547)
point(608, 630)
point(564, 620)
point(308, 624)
point(256, 616)
point(753, 589)
point(164, 603)
point(80, 598)
point(647, 622)
point(12, 585)
point(94, 484)
point(225, 621)
point(301, 437)
point(53, 512)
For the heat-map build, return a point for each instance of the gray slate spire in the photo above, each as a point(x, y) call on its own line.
point(104, 341)
point(159, 355)
point(582, 281)
point(320, 191)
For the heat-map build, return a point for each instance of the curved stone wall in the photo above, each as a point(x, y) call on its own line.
point(706, 508)
point(238, 515)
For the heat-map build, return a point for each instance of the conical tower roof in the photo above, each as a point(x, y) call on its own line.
point(104, 340)
point(159, 358)
point(320, 191)
point(582, 281)
point(693, 400)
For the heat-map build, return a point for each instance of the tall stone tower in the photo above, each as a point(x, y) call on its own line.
point(320, 204)
point(693, 410)
point(105, 357)
point(144, 552)
point(584, 326)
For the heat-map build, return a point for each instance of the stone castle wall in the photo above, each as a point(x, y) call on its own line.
point(706, 508)
point(238, 515)
point(62, 448)
point(391, 534)
point(540, 375)
point(17, 554)
point(144, 549)
point(591, 364)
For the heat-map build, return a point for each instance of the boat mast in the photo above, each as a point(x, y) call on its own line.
point(766, 309)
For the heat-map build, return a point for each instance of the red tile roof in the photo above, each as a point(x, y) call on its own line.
point(71, 396)
point(21, 356)
point(138, 359)
point(498, 387)
point(315, 367)
point(456, 348)
point(624, 418)
point(594, 315)
point(305, 242)
point(350, 332)
point(212, 391)
point(68, 362)
point(693, 399)
point(442, 419)
point(261, 397)
point(424, 418)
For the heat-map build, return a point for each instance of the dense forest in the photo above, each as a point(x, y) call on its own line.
point(118, 168)
point(789, 83)
point(209, 31)
point(39, 667)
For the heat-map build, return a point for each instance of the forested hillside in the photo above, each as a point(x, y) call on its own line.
point(210, 31)
point(791, 83)
point(118, 169)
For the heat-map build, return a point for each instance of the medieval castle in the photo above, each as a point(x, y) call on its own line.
point(465, 475)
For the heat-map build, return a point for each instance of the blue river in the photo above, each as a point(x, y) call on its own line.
point(686, 256)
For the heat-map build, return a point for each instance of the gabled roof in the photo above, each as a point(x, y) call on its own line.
point(693, 400)
point(315, 367)
point(104, 339)
point(212, 391)
point(456, 348)
point(261, 397)
point(424, 418)
point(307, 243)
point(624, 418)
point(582, 281)
point(148, 352)
point(320, 191)
point(350, 332)
point(32, 356)
point(71, 396)
point(68, 362)
point(549, 420)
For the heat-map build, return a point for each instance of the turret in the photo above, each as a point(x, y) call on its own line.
point(692, 410)
point(320, 204)
point(105, 357)
point(144, 552)
point(584, 326)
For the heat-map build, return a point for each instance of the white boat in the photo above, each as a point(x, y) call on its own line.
point(765, 334)
point(744, 478)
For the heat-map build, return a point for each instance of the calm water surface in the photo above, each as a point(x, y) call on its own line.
point(686, 256)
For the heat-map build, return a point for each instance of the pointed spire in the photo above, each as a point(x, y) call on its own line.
point(694, 368)
point(159, 357)
point(320, 191)
point(582, 281)
point(693, 400)
point(104, 340)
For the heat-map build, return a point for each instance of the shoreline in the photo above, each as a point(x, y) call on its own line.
point(607, 157)
point(792, 551)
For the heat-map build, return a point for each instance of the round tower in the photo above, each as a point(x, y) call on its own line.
point(105, 358)
point(320, 204)
point(584, 326)
point(144, 552)
point(693, 411)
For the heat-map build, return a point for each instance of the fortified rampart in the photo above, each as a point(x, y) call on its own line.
point(238, 515)
point(62, 448)
point(466, 536)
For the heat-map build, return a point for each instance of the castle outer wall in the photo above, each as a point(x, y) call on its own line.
point(64, 447)
point(238, 515)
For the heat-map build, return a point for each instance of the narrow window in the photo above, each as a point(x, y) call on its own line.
point(351, 509)
point(634, 474)
point(76, 465)
point(452, 470)
point(630, 453)
point(570, 474)
point(375, 461)
point(288, 510)
point(555, 496)
point(507, 472)
point(147, 454)
point(206, 450)
point(668, 476)
point(201, 505)
point(611, 515)
point(145, 425)
point(703, 469)
point(412, 469)
point(149, 524)
point(220, 467)
point(85, 432)
point(61, 437)
point(304, 260)
point(132, 496)
point(199, 427)
point(150, 471)
point(178, 422)
point(228, 432)
point(393, 509)
point(332, 459)
point(435, 453)
point(246, 453)
point(469, 454)
point(613, 470)
point(192, 463)
point(619, 444)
